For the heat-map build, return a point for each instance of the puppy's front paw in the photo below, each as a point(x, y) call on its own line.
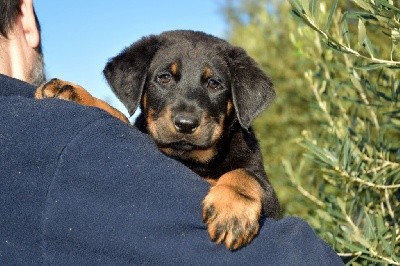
point(57, 88)
point(232, 210)
point(64, 90)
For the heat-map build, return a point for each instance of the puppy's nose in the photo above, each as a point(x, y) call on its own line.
point(186, 123)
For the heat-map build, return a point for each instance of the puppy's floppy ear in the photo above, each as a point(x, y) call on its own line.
point(126, 73)
point(252, 90)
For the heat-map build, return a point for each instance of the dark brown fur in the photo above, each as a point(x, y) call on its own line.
point(198, 95)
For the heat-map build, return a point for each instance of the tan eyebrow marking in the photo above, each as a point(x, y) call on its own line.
point(174, 68)
point(207, 72)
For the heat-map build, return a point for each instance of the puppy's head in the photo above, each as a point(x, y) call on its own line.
point(191, 86)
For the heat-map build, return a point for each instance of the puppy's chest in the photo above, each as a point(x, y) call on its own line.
point(221, 164)
point(207, 172)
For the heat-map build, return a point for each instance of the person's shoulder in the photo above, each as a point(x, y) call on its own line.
point(11, 87)
point(19, 108)
point(53, 119)
point(55, 114)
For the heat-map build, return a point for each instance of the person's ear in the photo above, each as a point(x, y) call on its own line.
point(29, 26)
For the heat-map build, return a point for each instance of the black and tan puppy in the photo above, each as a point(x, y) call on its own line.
point(198, 95)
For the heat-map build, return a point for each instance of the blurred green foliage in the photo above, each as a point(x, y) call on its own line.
point(331, 140)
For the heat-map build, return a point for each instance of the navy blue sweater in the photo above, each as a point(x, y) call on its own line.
point(78, 187)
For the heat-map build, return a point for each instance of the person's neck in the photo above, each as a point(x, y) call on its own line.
point(12, 59)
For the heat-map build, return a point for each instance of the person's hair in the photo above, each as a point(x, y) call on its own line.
point(9, 11)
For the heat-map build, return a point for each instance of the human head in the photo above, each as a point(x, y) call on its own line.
point(20, 46)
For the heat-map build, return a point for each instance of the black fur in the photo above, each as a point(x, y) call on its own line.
point(138, 71)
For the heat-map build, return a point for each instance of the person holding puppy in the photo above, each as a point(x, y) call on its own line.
point(89, 189)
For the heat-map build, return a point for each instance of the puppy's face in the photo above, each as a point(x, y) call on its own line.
point(187, 100)
point(191, 86)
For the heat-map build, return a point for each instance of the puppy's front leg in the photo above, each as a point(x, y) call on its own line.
point(60, 89)
point(232, 209)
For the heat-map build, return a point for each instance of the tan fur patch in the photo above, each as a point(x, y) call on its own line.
point(174, 69)
point(207, 73)
point(232, 209)
point(167, 151)
point(229, 107)
point(151, 126)
point(144, 101)
point(219, 128)
point(204, 156)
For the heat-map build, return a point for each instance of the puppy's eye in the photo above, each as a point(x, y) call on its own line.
point(213, 84)
point(164, 78)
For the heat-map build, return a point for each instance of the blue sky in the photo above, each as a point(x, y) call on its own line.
point(79, 36)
